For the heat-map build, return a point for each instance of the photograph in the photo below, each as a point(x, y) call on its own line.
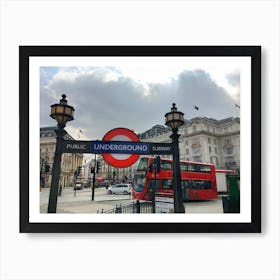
point(144, 133)
point(164, 132)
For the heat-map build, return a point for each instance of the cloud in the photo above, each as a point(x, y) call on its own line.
point(105, 99)
point(198, 88)
point(234, 78)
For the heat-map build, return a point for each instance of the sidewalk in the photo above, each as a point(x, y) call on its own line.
point(81, 202)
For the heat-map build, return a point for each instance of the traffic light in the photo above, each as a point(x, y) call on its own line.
point(47, 168)
point(92, 169)
point(98, 166)
point(158, 164)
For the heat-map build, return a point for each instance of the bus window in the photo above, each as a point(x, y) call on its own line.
point(186, 184)
point(139, 183)
point(191, 167)
point(183, 166)
point(153, 187)
point(143, 164)
point(205, 168)
point(167, 184)
point(166, 165)
point(199, 168)
point(201, 185)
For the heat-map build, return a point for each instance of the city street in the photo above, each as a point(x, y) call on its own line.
point(82, 203)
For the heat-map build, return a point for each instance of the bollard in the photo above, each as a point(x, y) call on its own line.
point(137, 206)
point(60, 190)
point(231, 203)
point(118, 209)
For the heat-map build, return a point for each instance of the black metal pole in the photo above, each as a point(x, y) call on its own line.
point(93, 179)
point(42, 183)
point(154, 187)
point(177, 185)
point(56, 169)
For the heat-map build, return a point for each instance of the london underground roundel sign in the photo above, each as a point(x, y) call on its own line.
point(120, 160)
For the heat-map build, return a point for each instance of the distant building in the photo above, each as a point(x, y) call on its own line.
point(69, 162)
point(155, 131)
point(114, 174)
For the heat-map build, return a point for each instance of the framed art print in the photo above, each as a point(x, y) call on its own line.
point(140, 139)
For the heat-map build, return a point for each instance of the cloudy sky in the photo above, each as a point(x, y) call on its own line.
point(137, 96)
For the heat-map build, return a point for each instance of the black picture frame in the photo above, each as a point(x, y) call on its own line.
point(254, 52)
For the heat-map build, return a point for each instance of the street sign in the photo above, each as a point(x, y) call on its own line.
point(71, 146)
point(126, 147)
point(121, 159)
point(120, 147)
point(116, 147)
point(161, 149)
point(164, 203)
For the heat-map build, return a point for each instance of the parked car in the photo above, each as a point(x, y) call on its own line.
point(120, 189)
point(78, 186)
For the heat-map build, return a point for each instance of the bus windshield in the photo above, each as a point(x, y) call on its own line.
point(143, 164)
point(139, 183)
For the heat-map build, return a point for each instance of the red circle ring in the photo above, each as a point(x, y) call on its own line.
point(120, 162)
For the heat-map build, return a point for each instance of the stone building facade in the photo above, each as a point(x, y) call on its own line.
point(69, 162)
point(205, 140)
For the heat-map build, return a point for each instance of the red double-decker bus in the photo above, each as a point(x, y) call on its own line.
point(198, 180)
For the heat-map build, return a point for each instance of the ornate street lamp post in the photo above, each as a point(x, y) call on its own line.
point(174, 120)
point(62, 113)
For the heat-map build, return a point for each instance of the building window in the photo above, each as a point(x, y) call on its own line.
point(197, 159)
point(209, 140)
point(210, 149)
point(215, 141)
point(227, 141)
point(195, 149)
point(230, 162)
point(216, 150)
point(187, 152)
point(214, 130)
point(214, 160)
point(229, 150)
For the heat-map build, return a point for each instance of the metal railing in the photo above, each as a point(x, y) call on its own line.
point(137, 207)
